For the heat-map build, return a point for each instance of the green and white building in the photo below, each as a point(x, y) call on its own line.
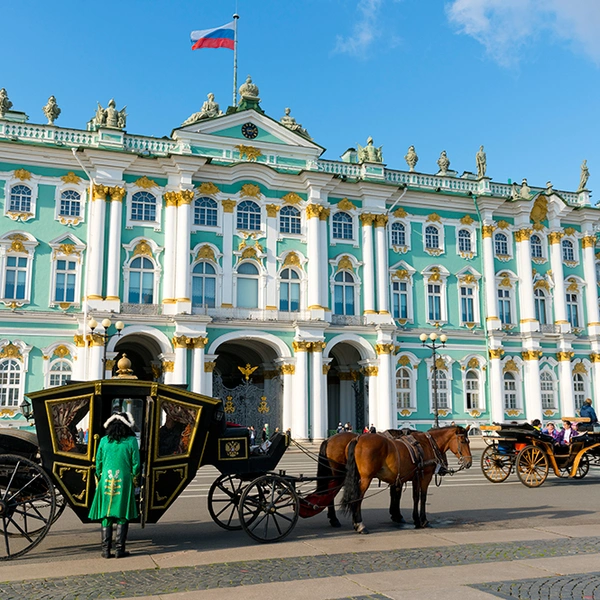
point(295, 288)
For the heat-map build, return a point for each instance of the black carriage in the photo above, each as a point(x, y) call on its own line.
point(531, 453)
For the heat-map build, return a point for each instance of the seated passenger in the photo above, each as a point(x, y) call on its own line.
point(536, 424)
point(169, 437)
point(565, 434)
point(550, 430)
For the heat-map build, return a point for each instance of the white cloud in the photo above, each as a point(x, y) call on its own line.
point(364, 31)
point(506, 27)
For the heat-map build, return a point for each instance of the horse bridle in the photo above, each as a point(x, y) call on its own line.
point(461, 458)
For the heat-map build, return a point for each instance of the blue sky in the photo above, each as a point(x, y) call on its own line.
point(519, 76)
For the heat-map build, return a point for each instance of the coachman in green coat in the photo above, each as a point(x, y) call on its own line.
point(117, 471)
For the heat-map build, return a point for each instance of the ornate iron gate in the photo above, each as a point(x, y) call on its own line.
point(358, 387)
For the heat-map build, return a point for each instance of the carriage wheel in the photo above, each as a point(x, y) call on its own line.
point(583, 467)
point(495, 466)
point(27, 505)
point(223, 500)
point(532, 466)
point(269, 509)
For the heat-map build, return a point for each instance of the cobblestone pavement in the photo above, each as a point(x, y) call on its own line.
point(235, 574)
point(568, 587)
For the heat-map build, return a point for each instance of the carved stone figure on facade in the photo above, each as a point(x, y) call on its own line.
point(585, 175)
point(108, 117)
point(411, 158)
point(443, 163)
point(51, 110)
point(209, 110)
point(481, 160)
point(525, 193)
point(370, 153)
point(288, 121)
point(5, 103)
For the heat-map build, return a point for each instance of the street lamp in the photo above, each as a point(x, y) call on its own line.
point(26, 409)
point(437, 341)
point(106, 323)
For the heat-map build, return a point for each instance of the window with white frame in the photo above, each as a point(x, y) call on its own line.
point(289, 290)
point(505, 306)
point(400, 299)
point(60, 372)
point(204, 285)
point(398, 232)
point(510, 391)
point(247, 285)
point(598, 272)
point(467, 304)
point(342, 226)
point(573, 309)
point(404, 392)
point(343, 293)
point(143, 207)
point(472, 389)
point(20, 199)
point(141, 281)
point(205, 212)
point(541, 306)
point(568, 251)
point(464, 241)
point(290, 220)
point(248, 216)
point(548, 389)
point(10, 382)
point(579, 390)
point(442, 389)
point(501, 244)
point(434, 301)
point(432, 238)
point(16, 259)
point(15, 277)
point(535, 243)
point(65, 280)
point(70, 204)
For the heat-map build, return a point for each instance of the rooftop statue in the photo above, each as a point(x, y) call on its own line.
point(514, 191)
point(51, 110)
point(108, 117)
point(288, 121)
point(411, 158)
point(549, 190)
point(5, 103)
point(525, 193)
point(443, 163)
point(481, 161)
point(585, 175)
point(209, 110)
point(370, 153)
point(249, 89)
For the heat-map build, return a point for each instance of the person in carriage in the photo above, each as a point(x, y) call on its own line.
point(566, 434)
point(587, 410)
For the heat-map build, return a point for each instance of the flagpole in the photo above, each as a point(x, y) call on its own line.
point(235, 20)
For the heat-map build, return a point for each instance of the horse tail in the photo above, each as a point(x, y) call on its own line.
point(352, 481)
point(324, 472)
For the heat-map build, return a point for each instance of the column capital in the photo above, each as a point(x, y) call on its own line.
point(367, 219)
point(313, 210)
point(197, 342)
point(324, 214)
point(522, 235)
point(317, 346)
point(496, 353)
point(381, 220)
point(588, 241)
point(487, 231)
point(228, 205)
point(595, 357)
point(99, 191)
point(185, 197)
point(180, 341)
point(554, 237)
point(384, 348)
point(117, 193)
point(272, 210)
point(209, 366)
point(371, 371)
point(532, 354)
point(171, 198)
point(288, 369)
point(565, 356)
point(301, 346)
point(168, 366)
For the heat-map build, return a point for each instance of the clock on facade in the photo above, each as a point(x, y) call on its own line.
point(249, 130)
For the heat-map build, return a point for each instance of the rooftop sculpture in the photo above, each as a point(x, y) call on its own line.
point(481, 161)
point(583, 178)
point(5, 103)
point(370, 153)
point(209, 110)
point(108, 117)
point(411, 159)
point(51, 110)
point(288, 121)
point(443, 163)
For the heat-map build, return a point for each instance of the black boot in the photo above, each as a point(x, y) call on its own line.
point(107, 533)
point(122, 529)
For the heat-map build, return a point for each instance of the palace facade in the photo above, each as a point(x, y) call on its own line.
point(295, 288)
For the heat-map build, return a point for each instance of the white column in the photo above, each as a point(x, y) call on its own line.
point(496, 387)
point(384, 387)
point(560, 307)
point(114, 267)
point(318, 396)
point(527, 307)
point(287, 372)
point(324, 258)
point(300, 407)
point(96, 228)
point(533, 393)
point(588, 244)
point(313, 246)
point(209, 367)
point(198, 374)
point(368, 284)
point(491, 304)
point(168, 274)
point(383, 284)
point(96, 354)
point(565, 383)
point(271, 300)
point(180, 369)
point(595, 358)
point(371, 373)
point(182, 268)
point(168, 365)
point(227, 281)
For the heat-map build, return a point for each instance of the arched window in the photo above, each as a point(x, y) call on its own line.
point(15, 278)
point(65, 279)
point(70, 204)
point(342, 226)
point(568, 250)
point(60, 373)
point(541, 313)
point(343, 294)
point(143, 207)
point(290, 220)
point(573, 309)
point(579, 392)
point(20, 199)
point(398, 234)
point(403, 389)
point(289, 291)
point(548, 388)
point(248, 216)
point(464, 240)
point(10, 383)
point(501, 244)
point(432, 237)
point(442, 389)
point(247, 286)
point(510, 391)
point(205, 212)
point(204, 285)
point(472, 392)
point(536, 246)
point(141, 281)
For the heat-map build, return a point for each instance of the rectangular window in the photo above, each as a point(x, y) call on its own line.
point(573, 310)
point(504, 309)
point(434, 299)
point(400, 299)
point(66, 273)
point(247, 292)
point(467, 306)
point(16, 278)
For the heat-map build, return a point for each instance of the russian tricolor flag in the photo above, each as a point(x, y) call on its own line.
point(220, 37)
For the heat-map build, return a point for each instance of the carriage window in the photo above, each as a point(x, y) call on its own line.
point(176, 429)
point(70, 425)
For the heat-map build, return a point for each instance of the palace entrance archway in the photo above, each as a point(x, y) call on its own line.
point(143, 352)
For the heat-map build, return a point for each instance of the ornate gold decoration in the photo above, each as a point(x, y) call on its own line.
point(469, 279)
point(179, 341)
point(440, 364)
point(61, 351)
point(513, 412)
point(510, 365)
point(313, 210)
point(367, 219)
point(317, 346)
point(541, 283)
point(496, 352)
point(247, 371)
point(249, 252)
point(384, 348)
point(402, 274)
point(345, 204)
point(142, 248)
point(538, 227)
point(186, 197)
point(207, 188)
point(97, 340)
point(487, 231)
point(232, 449)
point(70, 177)
point(345, 263)
point(248, 152)
point(475, 413)
point(17, 246)
point(467, 220)
point(206, 252)
point(272, 210)
point(400, 213)
point(301, 346)
point(371, 371)
point(434, 274)
point(99, 191)
point(406, 412)
point(573, 286)
point(554, 237)
point(539, 211)
point(505, 280)
point(565, 356)
point(595, 357)
point(168, 366)
point(326, 369)
point(229, 408)
point(145, 183)
point(109, 365)
point(324, 215)
point(291, 259)
point(588, 241)
point(68, 250)
point(209, 366)
point(197, 342)
point(434, 217)
point(570, 231)
point(11, 351)
point(531, 354)
point(404, 361)
point(289, 369)
point(473, 363)
point(78, 340)
point(263, 407)
point(171, 198)
point(502, 224)
point(580, 368)
point(22, 174)
point(116, 193)
point(522, 235)
point(381, 220)
point(228, 205)
point(292, 198)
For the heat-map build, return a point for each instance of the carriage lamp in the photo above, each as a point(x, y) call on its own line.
point(26, 409)
point(435, 342)
point(105, 337)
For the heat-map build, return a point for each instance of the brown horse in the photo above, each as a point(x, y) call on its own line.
point(376, 456)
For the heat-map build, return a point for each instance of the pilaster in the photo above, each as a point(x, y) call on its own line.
point(560, 307)
point(168, 275)
point(527, 307)
point(383, 284)
point(565, 381)
point(496, 385)
point(182, 268)
point(272, 256)
point(318, 396)
point(300, 403)
point(95, 258)
point(180, 368)
point(114, 266)
point(533, 394)
point(313, 212)
point(227, 290)
point(588, 246)
point(367, 220)
point(491, 304)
